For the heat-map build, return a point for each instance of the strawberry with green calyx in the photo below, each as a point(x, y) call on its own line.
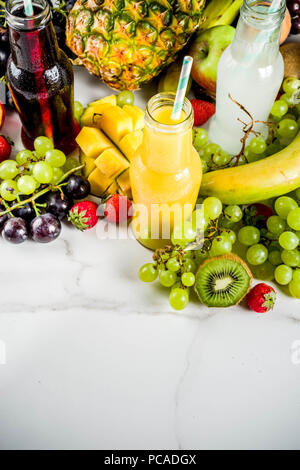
point(83, 215)
point(261, 298)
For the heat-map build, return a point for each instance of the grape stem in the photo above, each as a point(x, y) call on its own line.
point(247, 129)
point(42, 192)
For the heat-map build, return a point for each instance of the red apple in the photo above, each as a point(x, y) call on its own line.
point(206, 51)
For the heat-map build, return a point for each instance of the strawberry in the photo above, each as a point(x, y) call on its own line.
point(117, 208)
point(83, 215)
point(5, 148)
point(261, 298)
point(203, 110)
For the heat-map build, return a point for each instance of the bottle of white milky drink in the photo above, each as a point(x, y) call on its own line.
point(251, 70)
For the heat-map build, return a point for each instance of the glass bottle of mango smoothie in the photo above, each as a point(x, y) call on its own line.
point(165, 173)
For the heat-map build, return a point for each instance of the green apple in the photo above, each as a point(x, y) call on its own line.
point(206, 51)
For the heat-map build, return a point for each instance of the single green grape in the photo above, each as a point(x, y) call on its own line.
point(291, 85)
point(179, 298)
point(296, 275)
point(210, 150)
point(212, 207)
point(288, 240)
point(8, 169)
point(167, 278)
point(297, 194)
point(264, 272)
point(183, 233)
point(294, 288)
point(284, 205)
point(148, 273)
point(276, 224)
point(275, 258)
point(125, 97)
point(233, 213)
point(257, 145)
point(26, 184)
point(188, 279)
point(220, 246)
point(57, 175)
point(199, 221)
point(293, 219)
point(289, 99)
point(55, 158)
point(23, 156)
point(42, 145)
point(257, 254)
point(222, 158)
point(42, 172)
point(283, 274)
point(249, 235)
point(78, 110)
point(287, 128)
point(290, 258)
point(230, 235)
point(200, 138)
point(70, 164)
point(9, 190)
point(279, 109)
point(173, 265)
point(189, 265)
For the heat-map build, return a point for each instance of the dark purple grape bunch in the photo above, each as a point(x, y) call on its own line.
point(45, 227)
point(294, 9)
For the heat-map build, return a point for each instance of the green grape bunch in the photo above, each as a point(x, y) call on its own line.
point(266, 236)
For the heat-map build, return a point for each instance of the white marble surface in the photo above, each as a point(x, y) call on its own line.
point(96, 359)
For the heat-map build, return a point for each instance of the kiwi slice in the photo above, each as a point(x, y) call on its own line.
point(223, 281)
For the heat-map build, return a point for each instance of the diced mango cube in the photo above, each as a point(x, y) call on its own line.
point(99, 182)
point(92, 141)
point(130, 143)
point(111, 162)
point(111, 99)
point(89, 164)
point(124, 183)
point(113, 189)
point(137, 116)
point(92, 114)
point(116, 123)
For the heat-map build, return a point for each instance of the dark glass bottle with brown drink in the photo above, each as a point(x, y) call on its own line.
point(40, 76)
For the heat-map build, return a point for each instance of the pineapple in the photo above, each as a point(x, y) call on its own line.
point(128, 42)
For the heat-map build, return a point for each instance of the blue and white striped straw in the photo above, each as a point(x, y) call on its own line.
point(28, 7)
point(181, 89)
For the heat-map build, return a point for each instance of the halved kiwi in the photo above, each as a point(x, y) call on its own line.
point(223, 281)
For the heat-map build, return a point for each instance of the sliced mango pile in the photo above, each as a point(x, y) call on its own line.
point(108, 140)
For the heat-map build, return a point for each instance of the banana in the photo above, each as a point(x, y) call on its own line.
point(270, 177)
point(220, 12)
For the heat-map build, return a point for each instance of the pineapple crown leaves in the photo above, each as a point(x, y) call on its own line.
point(78, 219)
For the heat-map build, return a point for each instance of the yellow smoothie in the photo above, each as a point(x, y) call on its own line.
point(165, 173)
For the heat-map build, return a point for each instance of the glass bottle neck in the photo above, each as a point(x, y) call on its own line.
point(166, 146)
point(258, 31)
point(33, 40)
